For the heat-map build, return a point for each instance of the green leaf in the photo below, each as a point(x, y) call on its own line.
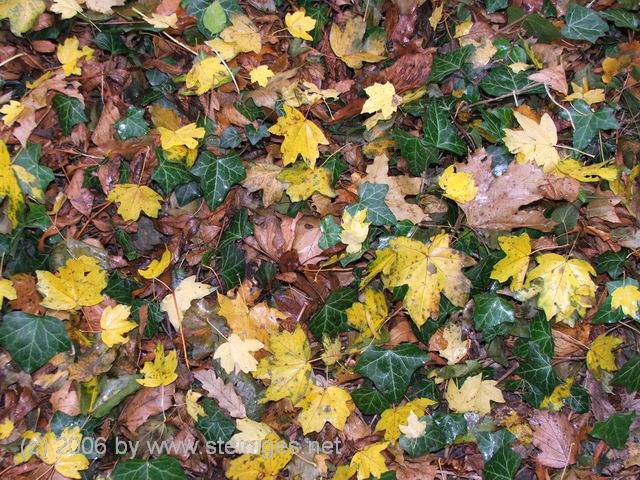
point(330, 232)
point(629, 375)
point(111, 42)
point(439, 131)
point(112, 392)
point(536, 371)
point(583, 24)
point(588, 123)
point(611, 262)
point(29, 159)
point(415, 150)
point(579, 399)
point(124, 240)
point(614, 431)
point(320, 12)
point(540, 334)
point(370, 401)
point(502, 466)
point(214, 18)
point(494, 122)
point(390, 370)
point(606, 314)
point(121, 288)
point(218, 175)
point(371, 196)
point(331, 318)
point(621, 18)
point(442, 430)
point(490, 442)
point(70, 112)
point(230, 138)
point(132, 125)
point(491, 314)
point(164, 467)
point(538, 26)
point(22, 14)
point(230, 265)
point(495, 5)
point(445, 65)
point(239, 227)
point(169, 174)
point(32, 340)
point(215, 426)
point(502, 80)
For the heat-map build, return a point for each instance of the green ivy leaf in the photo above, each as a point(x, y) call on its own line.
point(629, 375)
point(442, 430)
point(536, 371)
point(371, 196)
point(239, 227)
point(502, 80)
point(611, 262)
point(415, 150)
point(165, 467)
point(583, 24)
point(331, 318)
point(588, 123)
point(621, 18)
point(491, 315)
point(490, 442)
point(215, 426)
point(169, 174)
point(231, 265)
point(70, 112)
point(370, 401)
point(330, 232)
point(538, 26)
point(214, 18)
point(445, 65)
point(112, 392)
point(32, 340)
point(502, 466)
point(29, 159)
point(218, 175)
point(390, 370)
point(540, 334)
point(614, 431)
point(111, 42)
point(439, 131)
point(132, 125)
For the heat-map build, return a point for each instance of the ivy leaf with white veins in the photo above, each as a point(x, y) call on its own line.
point(218, 175)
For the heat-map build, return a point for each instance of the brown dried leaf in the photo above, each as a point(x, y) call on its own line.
point(555, 437)
point(225, 394)
point(146, 403)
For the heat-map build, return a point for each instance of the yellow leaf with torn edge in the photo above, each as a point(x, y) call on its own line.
point(299, 25)
point(161, 371)
point(321, 405)
point(235, 355)
point(132, 199)
point(514, 265)
point(178, 302)
point(114, 325)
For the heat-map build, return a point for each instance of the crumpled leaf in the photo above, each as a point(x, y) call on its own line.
point(368, 316)
point(600, 357)
point(303, 181)
point(354, 230)
point(177, 302)
point(458, 186)
point(161, 371)
point(351, 47)
point(114, 324)
point(299, 24)
point(516, 262)
point(392, 419)
point(156, 267)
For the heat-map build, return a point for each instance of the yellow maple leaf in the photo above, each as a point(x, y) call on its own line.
point(236, 354)
point(436, 15)
point(264, 176)
point(7, 290)
point(161, 371)
point(514, 265)
point(382, 98)
point(11, 112)
point(179, 301)
point(369, 315)
point(627, 298)
point(456, 348)
point(156, 267)
point(565, 286)
point(351, 47)
point(266, 465)
point(261, 75)
point(226, 51)
point(78, 284)
point(259, 321)
point(332, 352)
point(114, 325)
point(428, 270)
point(369, 461)
point(60, 451)
point(9, 187)
point(303, 181)
point(250, 435)
point(600, 357)
point(6, 428)
point(194, 409)
point(535, 143)
point(69, 54)
point(205, 74)
point(518, 67)
point(66, 8)
point(186, 136)
point(299, 24)
point(162, 21)
point(587, 173)
point(354, 230)
point(463, 28)
point(242, 34)
point(288, 368)
point(306, 93)
point(458, 186)
point(301, 137)
point(321, 405)
point(555, 401)
point(483, 50)
point(583, 92)
point(475, 395)
point(414, 428)
point(392, 418)
point(133, 199)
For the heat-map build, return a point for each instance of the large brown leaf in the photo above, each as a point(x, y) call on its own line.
point(146, 403)
point(224, 394)
point(556, 438)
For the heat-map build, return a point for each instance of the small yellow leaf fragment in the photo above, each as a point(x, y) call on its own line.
point(351, 47)
point(9, 187)
point(370, 461)
point(6, 428)
point(178, 302)
point(583, 92)
point(354, 230)
point(250, 435)
point(304, 181)
point(133, 199)
point(463, 29)
point(236, 354)
point(194, 409)
point(458, 186)
point(587, 173)
point(382, 98)
point(456, 348)
point(301, 137)
point(436, 16)
point(475, 395)
point(600, 356)
point(322, 405)
point(273, 456)
point(392, 418)
point(187, 136)
point(555, 401)
point(78, 284)
point(516, 262)
point(66, 8)
point(161, 371)
point(242, 34)
point(162, 21)
point(369, 315)
point(114, 324)
point(518, 67)
point(627, 298)
point(299, 24)
point(610, 68)
point(69, 54)
point(7, 290)
point(11, 112)
point(414, 428)
point(535, 143)
point(156, 267)
point(261, 75)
